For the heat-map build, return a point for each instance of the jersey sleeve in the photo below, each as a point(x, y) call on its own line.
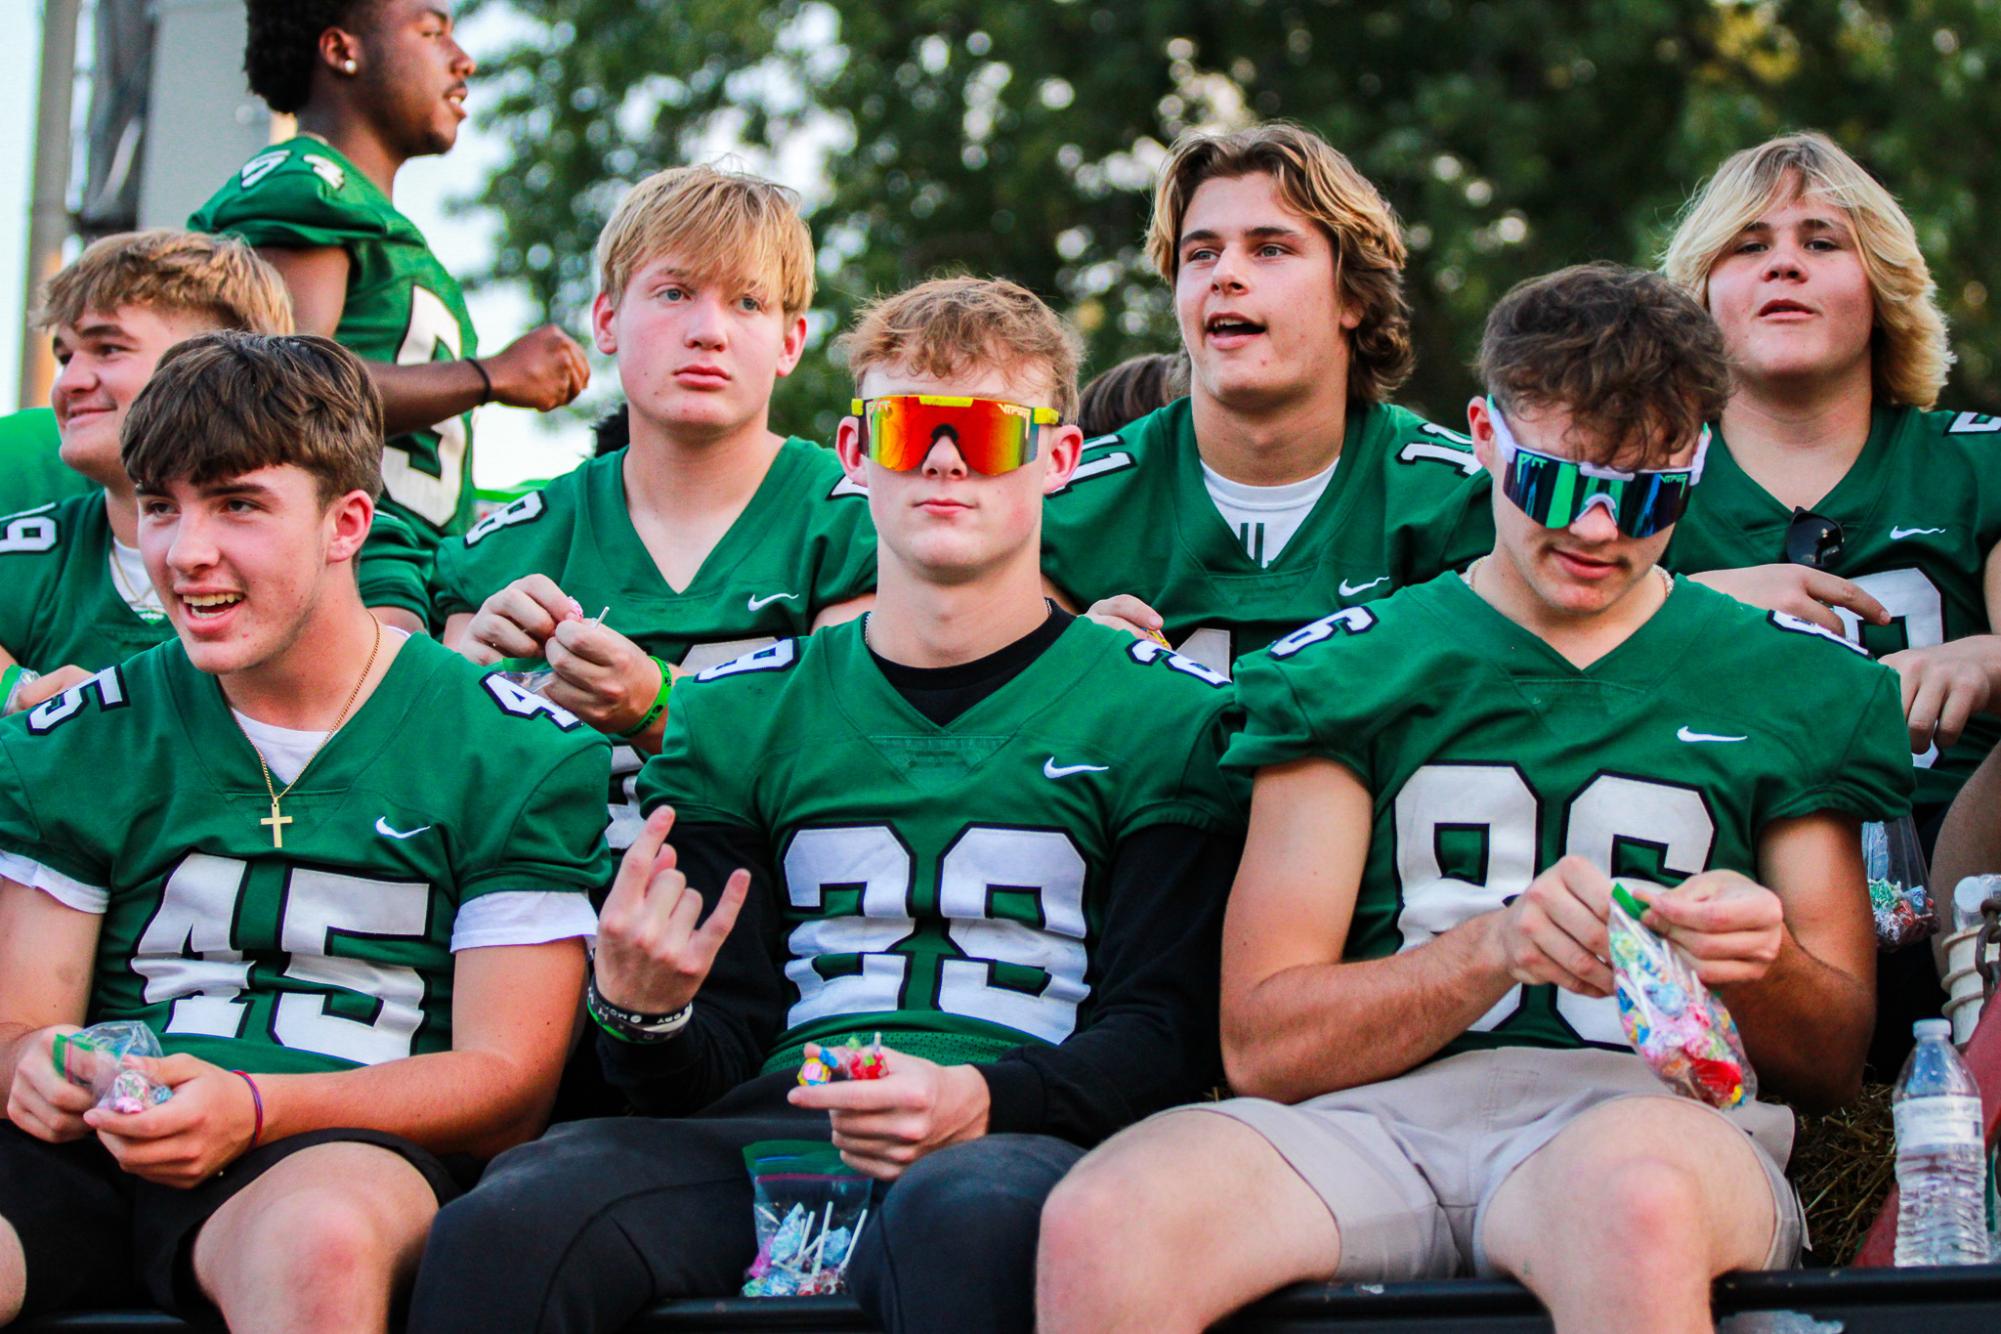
point(1868, 774)
point(394, 567)
point(1439, 502)
point(553, 840)
point(38, 768)
point(1318, 692)
point(843, 549)
point(702, 780)
point(1198, 792)
point(302, 201)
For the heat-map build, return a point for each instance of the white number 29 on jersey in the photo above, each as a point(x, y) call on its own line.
point(874, 860)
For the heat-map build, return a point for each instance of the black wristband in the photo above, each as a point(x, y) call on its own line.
point(485, 380)
point(631, 1025)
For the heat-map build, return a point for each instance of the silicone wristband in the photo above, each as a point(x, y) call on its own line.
point(659, 701)
point(486, 381)
point(630, 1025)
point(11, 682)
point(257, 1100)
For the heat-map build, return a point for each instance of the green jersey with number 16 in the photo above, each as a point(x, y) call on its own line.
point(1919, 509)
point(1406, 500)
point(1490, 757)
point(402, 304)
point(945, 884)
point(321, 936)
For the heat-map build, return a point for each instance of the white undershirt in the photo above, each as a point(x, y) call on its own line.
point(134, 585)
point(1264, 518)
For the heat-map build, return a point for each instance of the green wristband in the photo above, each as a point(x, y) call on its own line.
point(659, 701)
point(11, 681)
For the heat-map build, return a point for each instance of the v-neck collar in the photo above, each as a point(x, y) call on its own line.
point(623, 550)
point(232, 767)
point(1646, 655)
point(1208, 535)
point(1852, 499)
point(850, 664)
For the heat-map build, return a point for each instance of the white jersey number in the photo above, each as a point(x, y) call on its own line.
point(188, 960)
point(871, 862)
point(1914, 600)
point(432, 328)
point(1496, 802)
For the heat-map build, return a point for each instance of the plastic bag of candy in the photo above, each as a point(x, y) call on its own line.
point(99, 1059)
point(1676, 1024)
point(810, 1209)
point(831, 1065)
point(1894, 863)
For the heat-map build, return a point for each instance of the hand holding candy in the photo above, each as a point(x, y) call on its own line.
point(1684, 1033)
point(882, 1123)
point(1554, 931)
point(102, 1059)
point(1729, 927)
point(825, 1065)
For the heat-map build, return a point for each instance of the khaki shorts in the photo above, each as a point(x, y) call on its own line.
point(1408, 1166)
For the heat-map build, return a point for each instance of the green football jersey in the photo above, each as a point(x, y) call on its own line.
point(804, 543)
point(1920, 509)
point(31, 470)
point(64, 601)
point(1406, 501)
point(403, 306)
point(1490, 757)
point(334, 950)
point(945, 885)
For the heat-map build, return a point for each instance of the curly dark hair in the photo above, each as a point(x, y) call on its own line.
point(1638, 364)
point(282, 47)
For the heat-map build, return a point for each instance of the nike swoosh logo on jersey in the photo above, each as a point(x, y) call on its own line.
point(1686, 735)
point(1051, 769)
point(1348, 592)
point(1899, 534)
point(383, 828)
point(759, 602)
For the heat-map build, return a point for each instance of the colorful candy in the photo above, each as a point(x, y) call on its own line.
point(99, 1058)
point(1676, 1024)
point(825, 1065)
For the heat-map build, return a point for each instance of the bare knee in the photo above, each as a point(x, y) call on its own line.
point(328, 1253)
point(13, 1273)
point(1650, 1205)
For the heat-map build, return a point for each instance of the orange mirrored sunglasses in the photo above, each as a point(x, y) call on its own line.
point(993, 437)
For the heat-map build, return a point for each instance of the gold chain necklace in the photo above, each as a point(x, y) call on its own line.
point(151, 614)
point(276, 821)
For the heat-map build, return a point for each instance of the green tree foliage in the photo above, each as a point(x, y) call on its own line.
point(1019, 137)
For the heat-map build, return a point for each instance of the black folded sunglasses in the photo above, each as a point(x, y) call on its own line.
point(1812, 540)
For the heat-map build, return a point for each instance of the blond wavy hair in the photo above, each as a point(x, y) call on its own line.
point(735, 227)
point(1910, 352)
point(1318, 182)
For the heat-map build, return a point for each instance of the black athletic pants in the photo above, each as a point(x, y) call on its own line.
point(598, 1220)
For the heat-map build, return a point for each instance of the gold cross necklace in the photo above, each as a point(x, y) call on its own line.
point(275, 820)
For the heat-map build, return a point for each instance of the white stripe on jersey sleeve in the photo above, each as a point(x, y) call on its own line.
point(523, 917)
point(70, 893)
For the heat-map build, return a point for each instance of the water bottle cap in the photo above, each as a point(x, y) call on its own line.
point(1931, 1028)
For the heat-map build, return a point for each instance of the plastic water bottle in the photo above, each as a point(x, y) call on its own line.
point(1941, 1159)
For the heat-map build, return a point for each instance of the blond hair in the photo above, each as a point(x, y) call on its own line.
point(1318, 182)
point(949, 326)
point(216, 277)
point(730, 225)
point(1911, 353)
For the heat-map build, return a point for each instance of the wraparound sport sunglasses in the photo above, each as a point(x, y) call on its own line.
point(993, 437)
point(1557, 492)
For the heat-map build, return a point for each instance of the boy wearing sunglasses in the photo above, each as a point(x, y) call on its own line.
point(988, 831)
point(1286, 482)
point(1417, 1005)
point(709, 534)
